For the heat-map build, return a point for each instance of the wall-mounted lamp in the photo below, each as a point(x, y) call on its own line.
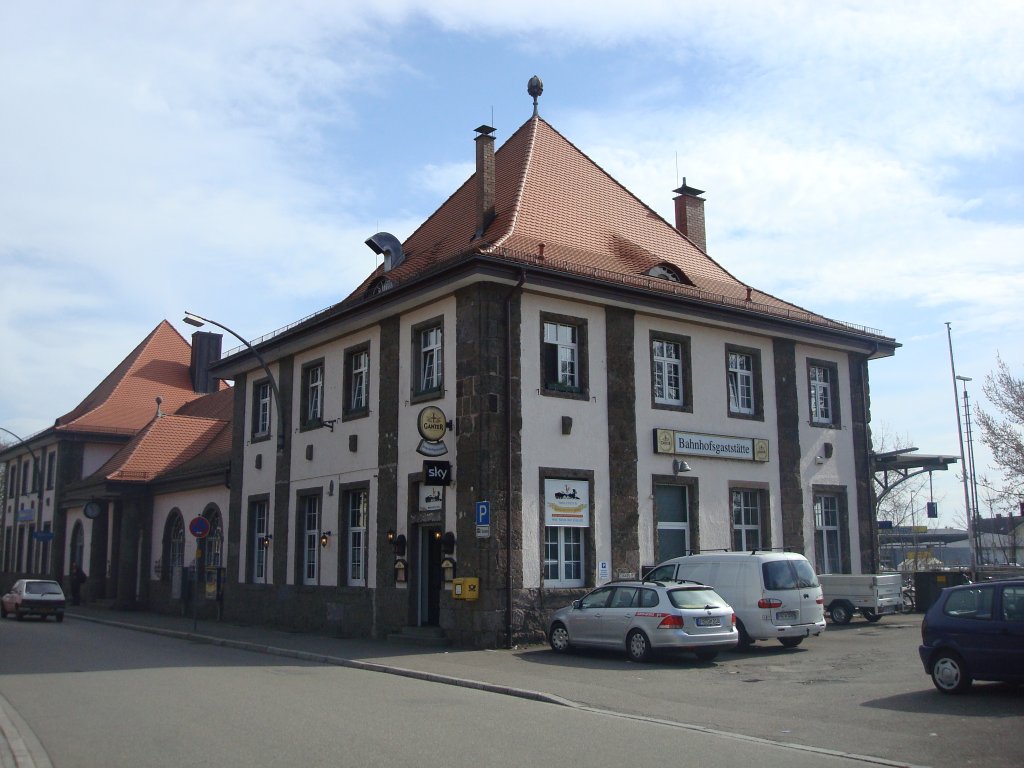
point(325, 538)
point(567, 425)
point(678, 465)
point(436, 533)
point(330, 489)
point(390, 536)
point(265, 541)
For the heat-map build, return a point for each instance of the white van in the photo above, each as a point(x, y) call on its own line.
point(774, 594)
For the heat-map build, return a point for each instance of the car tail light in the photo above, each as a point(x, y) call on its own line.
point(734, 619)
point(671, 622)
point(820, 601)
point(769, 602)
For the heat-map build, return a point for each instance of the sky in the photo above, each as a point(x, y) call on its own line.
point(864, 160)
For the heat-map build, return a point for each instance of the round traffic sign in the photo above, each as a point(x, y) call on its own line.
point(199, 527)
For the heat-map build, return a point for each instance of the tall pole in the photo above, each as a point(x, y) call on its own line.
point(974, 475)
point(963, 459)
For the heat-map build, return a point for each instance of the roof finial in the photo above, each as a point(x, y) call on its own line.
point(535, 88)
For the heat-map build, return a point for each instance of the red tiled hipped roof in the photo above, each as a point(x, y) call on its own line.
point(555, 207)
point(125, 401)
point(165, 444)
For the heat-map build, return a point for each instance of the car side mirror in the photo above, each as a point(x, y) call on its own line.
point(577, 604)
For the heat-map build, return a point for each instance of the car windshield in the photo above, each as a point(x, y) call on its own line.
point(695, 598)
point(43, 588)
point(788, 574)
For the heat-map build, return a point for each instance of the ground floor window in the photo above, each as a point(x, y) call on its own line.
point(563, 556)
point(746, 519)
point(309, 520)
point(259, 543)
point(827, 549)
point(357, 504)
point(671, 506)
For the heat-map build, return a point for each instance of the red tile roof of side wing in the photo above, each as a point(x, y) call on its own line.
point(166, 443)
point(125, 401)
point(549, 192)
point(217, 405)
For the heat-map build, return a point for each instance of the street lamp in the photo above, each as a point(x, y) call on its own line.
point(198, 321)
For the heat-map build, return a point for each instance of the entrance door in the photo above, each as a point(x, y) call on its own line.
point(429, 577)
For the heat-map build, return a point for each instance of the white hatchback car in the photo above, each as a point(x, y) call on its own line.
point(39, 597)
point(643, 617)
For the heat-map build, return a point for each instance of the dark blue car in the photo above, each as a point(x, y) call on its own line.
point(975, 632)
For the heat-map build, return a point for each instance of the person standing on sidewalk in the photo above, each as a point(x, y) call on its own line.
point(78, 578)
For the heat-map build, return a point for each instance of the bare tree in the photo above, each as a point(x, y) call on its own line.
point(1003, 432)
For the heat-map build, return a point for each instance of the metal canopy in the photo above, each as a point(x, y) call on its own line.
point(891, 468)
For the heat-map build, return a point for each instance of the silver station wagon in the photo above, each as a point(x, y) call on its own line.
point(641, 617)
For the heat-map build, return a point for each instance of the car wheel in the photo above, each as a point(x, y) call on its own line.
point(19, 615)
point(840, 613)
point(707, 654)
point(60, 617)
point(949, 673)
point(745, 640)
point(870, 615)
point(638, 646)
point(790, 642)
point(559, 638)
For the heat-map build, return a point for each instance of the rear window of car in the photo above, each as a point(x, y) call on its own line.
point(695, 598)
point(788, 574)
point(43, 588)
point(974, 603)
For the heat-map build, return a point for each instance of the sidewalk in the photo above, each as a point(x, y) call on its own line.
point(439, 665)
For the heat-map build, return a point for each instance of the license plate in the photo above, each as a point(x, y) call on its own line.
point(786, 616)
point(709, 621)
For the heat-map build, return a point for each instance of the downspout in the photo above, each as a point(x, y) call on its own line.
point(508, 433)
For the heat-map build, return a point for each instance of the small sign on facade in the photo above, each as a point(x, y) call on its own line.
point(437, 473)
point(431, 498)
point(603, 571)
point(483, 519)
point(676, 443)
point(567, 503)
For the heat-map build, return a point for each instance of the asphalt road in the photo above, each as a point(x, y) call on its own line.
point(857, 689)
point(95, 695)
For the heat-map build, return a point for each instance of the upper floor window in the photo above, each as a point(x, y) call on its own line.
point(670, 371)
point(743, 377)
point(261, 409)
point(357, 381)
point(51, 465)
point(822, 380)
point(564, 356)
point(312, 394)
point(428, 343)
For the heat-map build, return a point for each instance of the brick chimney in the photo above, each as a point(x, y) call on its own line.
point(484, 179)
point(205, 352)
point(690, 215)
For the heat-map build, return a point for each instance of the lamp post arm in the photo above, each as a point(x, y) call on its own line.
point(263, 364)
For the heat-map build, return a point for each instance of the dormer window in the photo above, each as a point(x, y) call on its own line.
point(379, 286)
point(668, 272)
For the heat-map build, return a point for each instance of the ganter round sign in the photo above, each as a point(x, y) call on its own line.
point(432, 424)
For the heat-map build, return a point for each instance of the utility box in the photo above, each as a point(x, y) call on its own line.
point(466, 588)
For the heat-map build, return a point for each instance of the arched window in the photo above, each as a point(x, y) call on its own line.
point(213, 544)
point(173, 545)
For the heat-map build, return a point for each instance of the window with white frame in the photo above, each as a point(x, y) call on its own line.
point(563, 556)
point(258, 522)
point(312, 395)
point(431, 359)
point(309, 520)
point(746, 519)
point(823, 380)
point(261, 409)
point(561, 361)
point(357, 504)
point(671, 506)
point(671, 376)
point(827, 542)
point(741, 383)
point(359, 381)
